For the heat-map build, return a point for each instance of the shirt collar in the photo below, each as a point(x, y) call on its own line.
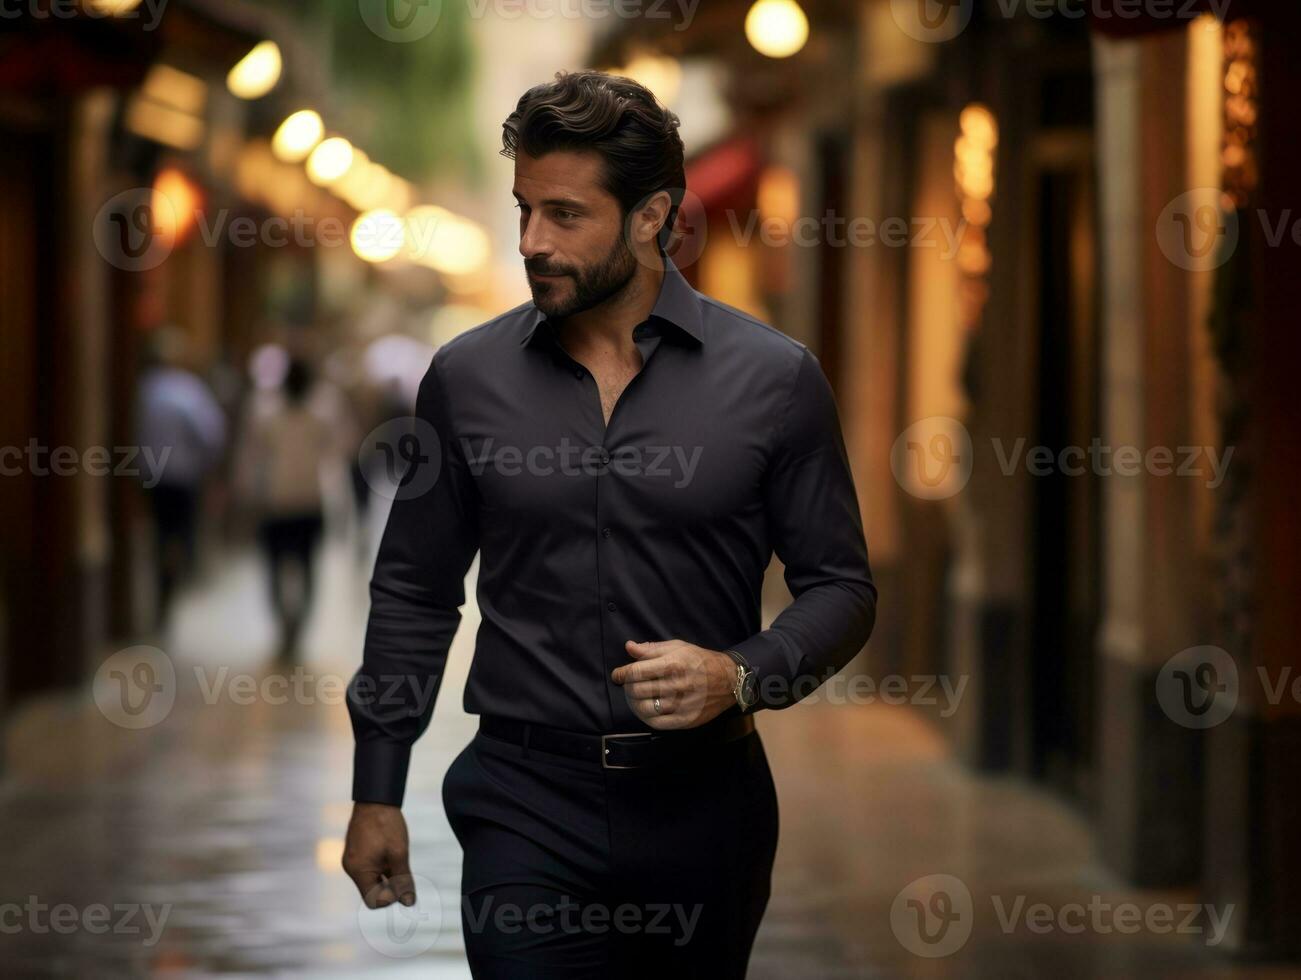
point(677, 305)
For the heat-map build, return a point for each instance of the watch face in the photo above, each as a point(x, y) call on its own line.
point(749, 689)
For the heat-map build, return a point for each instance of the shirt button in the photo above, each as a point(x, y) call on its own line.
point(605, 458)
point(578, 373)
point(611, 606)
point(605, 532)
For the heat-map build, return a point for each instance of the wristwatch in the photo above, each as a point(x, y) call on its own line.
point(744, 687)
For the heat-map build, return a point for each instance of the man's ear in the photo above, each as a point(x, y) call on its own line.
point(651, 216)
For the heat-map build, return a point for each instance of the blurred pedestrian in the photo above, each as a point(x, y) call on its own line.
point(287, 442)
point(178, 420)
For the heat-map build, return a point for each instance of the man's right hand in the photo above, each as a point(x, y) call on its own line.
point(375, 855)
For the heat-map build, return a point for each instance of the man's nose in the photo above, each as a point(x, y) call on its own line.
point(532, 241)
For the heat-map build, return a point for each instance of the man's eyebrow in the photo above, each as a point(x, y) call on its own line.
point(560, 202)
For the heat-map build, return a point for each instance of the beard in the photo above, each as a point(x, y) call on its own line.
point(591, 286)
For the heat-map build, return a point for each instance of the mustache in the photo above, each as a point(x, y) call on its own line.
point(538, 269)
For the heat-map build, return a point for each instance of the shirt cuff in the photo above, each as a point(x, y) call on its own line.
point(379, 772)
point(777, 684)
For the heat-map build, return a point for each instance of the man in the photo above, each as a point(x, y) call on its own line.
point(624, 454)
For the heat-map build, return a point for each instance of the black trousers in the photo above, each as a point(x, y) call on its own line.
point(176, 513)
point(289, 542)
point(575, 871)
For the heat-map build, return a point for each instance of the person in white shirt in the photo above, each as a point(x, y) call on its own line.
point(287, 443)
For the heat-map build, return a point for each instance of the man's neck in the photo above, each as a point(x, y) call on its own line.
point(607, 327)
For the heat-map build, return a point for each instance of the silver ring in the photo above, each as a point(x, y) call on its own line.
point(657, 705)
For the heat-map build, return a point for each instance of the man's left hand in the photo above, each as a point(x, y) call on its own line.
point(693, 684)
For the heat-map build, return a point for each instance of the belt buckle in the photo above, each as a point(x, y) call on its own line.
point(605, 752)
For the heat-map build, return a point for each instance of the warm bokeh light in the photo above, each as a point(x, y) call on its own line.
point(257, 72)
point(329, 161)
point(378, 236)
point(178, 89)
point(329, 854)
point(659, 73)
point(776, 28)
point(973, 171)
point(779, 195)
point(176, 204)
point(446, 242)
point(298, 136)
point(979, 126)
point(113, 8)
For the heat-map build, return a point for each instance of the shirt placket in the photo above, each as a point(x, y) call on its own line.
point(608, 527)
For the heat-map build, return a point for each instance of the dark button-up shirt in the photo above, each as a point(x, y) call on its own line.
point(724, 448)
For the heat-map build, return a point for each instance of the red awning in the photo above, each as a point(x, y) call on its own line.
point(725, 177)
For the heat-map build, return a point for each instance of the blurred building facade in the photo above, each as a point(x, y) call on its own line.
point(1073, 232)
point(161, 171)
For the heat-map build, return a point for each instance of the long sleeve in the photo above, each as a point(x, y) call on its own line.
point(416, 591)
point(817, 531)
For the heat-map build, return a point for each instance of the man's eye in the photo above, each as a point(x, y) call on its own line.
point(565, 215)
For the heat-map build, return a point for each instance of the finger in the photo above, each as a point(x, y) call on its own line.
point(369, 884)
point(643, 690)
point(650, 648)
point(646, 709)
point(401, 882)
point(643, 670)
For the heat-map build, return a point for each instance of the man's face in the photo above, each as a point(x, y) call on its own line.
point(571, 233)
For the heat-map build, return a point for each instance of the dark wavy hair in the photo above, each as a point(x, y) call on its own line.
point(613, 116)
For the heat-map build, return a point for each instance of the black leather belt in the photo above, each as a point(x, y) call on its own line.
point(621, 750)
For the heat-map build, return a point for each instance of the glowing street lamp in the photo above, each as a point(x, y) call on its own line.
point(298, 136)
point(329, 161)
point(257, 72)
point(776, 28)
